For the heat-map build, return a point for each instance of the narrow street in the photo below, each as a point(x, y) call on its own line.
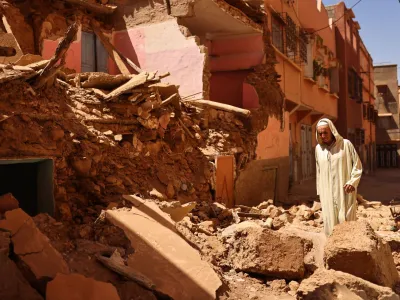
point(383, 186)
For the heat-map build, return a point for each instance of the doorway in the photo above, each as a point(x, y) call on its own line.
point(94, 55)
point(31, 183)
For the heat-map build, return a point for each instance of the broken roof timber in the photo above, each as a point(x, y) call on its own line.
point(94, 7)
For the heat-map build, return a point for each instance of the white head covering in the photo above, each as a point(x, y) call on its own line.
point(322, 123)
point(327, 122)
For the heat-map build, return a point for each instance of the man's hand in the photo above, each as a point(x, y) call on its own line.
point(349, 188)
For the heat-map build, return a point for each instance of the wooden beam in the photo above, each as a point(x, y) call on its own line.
point(116, 264)
point(59, 54)
point(94, 7)
point(110, 48)
point(220, 106)
point(134, 82)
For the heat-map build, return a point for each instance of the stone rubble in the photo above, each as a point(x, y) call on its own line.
point(369, 258)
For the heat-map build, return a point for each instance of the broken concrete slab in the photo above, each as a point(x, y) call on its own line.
point(8, 202)
point(79, 287)
point(36, 256)
point(329, 285)
point(13, 285)
point(314, 244)
point(179, 272)
point(366, 256)
point(267, 252)
point(13, 221)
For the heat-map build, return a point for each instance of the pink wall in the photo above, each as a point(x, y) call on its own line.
point(162, 47)
point(74, 54)
point(272, 143)
point(230, 61)
point(239, 53)
point(250, 97)
point(227, 87)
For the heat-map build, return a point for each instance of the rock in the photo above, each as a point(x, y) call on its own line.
point(266, 252)
point(5, 240)
point(293, 210)
point(265, 204)
point(158, 243)
point(170, 191)
point(57, 134)
point(36, 256)
point(278, 285)
point(82, 166)
point(268, 223)
point(230, 231)
point(65, 211)
point(308, 214)
point(112, 205)
point(8, 202)
point(277, 223)
point(365, 256)
point(208, 226)
point(221, 211)
point(255, 210)
point(274, 212)
point(79, 287)
point(294, 286)
point(157, 194)
point(316, 206)
point(314, 246)
point(13, 285)
point(178, 212)
point(330, 284)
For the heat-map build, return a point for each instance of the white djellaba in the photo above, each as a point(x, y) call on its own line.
point(337, 165)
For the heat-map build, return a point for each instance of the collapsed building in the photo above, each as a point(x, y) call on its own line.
point(212, 50)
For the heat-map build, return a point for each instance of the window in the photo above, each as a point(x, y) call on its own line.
point(355, 86)
point(303, 41)
point(277, 33)
point(291, 38)
point(365, 112)
point(371, 113)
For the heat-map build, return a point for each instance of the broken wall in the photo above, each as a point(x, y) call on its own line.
point(163, 47)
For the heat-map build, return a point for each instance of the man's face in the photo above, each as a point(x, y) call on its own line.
point(325, 134)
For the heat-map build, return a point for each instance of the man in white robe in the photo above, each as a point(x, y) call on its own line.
point(339, 172)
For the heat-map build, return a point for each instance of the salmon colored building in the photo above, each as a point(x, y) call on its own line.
point(305, 50)
point(369, 114)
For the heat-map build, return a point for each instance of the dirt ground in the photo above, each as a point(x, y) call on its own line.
point(382, 186)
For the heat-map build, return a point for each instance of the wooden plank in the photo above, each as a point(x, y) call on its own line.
point(134, 82)
point(60, 53)
point(220, 106)
point(110, 48)
point(94, 7)
point(116, 264)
